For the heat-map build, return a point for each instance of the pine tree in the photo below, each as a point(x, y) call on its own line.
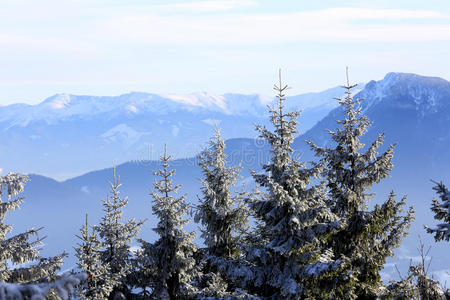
point(294, 218)
point(18, 249)
point(441, 211)
point(367, 237)
point(116, 235)
point(98, 285)
point(172, 253)
point(223, 217)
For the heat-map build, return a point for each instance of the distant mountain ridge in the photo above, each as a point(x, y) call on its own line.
point(61, 107)
point(409, 108)
point(67, 135)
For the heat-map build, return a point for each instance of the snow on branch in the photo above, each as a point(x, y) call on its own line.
point(64, 287)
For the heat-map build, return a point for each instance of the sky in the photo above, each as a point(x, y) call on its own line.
point(111, 47)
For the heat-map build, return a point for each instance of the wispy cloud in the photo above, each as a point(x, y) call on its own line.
point(209, 6)
point(329, 25)
point(175, 24)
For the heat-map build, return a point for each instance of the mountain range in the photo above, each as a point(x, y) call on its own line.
point(413, 111)
point(68, 135)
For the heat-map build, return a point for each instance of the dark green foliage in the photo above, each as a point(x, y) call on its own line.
point(441, 209)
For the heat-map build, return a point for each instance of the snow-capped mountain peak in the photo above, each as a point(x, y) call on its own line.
point(59, 101)
point(424, 94)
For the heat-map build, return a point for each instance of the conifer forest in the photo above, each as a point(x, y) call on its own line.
point(300, 228)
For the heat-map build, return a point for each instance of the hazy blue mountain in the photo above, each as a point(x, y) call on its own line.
point(67, 135)
point(60, 207)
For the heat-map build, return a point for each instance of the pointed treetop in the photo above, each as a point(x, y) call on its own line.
point(165, 158)
point(281, 89)
point(348, 100)
point(348, 86)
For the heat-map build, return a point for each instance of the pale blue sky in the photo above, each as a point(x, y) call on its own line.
point(110, 47)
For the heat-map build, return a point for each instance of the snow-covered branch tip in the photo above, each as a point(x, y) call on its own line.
point(63, 287)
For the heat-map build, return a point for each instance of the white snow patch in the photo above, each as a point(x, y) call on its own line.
point(60, 102)
point(135, 249)
point(123, 133)
point(132, 108)
point(185, 99)
point(216, 102)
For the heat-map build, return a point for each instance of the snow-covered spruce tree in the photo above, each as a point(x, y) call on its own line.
point(223, 216)
point(295, 221)
point(366, 237)
point(172, 253)
point(441, 211)
point(97, 284)
point(116, 236)
point(17, 252)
